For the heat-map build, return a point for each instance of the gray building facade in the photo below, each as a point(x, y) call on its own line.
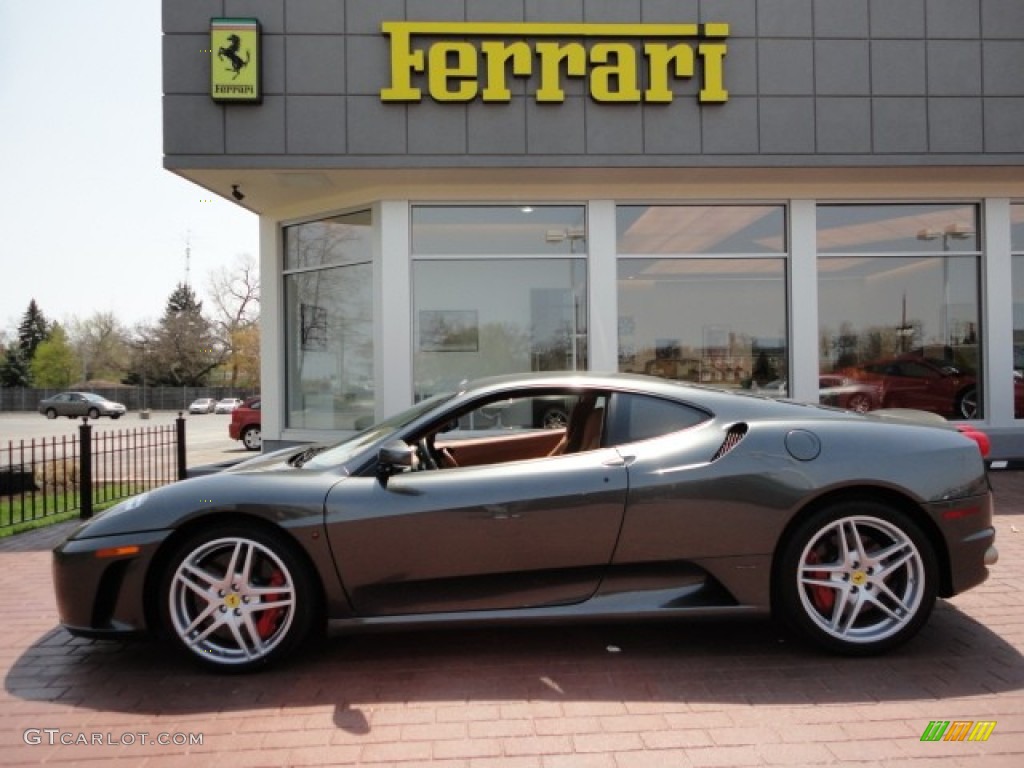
point(821, 199)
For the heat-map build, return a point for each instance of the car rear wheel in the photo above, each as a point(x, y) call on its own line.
point(51, 413)
point(235, 598)
point(858, 578)
point(252, 438)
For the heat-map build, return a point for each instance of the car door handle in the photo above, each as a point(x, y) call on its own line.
point(619, 461)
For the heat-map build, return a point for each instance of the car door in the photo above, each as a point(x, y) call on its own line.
point(512, 535)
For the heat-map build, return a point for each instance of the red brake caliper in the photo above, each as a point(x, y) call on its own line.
point(823, 598)
point(267, 622)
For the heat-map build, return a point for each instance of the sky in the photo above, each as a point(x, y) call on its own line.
point(89, 219)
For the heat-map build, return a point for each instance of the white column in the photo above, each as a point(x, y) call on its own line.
point(997, 317)
point(272, 362)
point(803, 301)
point(602, 278)
point(392, 308)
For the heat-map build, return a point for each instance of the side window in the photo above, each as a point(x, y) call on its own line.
point(536, 425)
point(642, 417)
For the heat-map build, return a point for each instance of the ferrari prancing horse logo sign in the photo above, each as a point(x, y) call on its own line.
point(235, 60)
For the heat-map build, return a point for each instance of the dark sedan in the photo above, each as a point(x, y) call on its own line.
point(656, 500)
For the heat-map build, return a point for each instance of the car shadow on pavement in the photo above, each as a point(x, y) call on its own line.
point(741, 662)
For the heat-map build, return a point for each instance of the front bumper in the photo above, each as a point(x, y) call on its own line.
point(103, 594)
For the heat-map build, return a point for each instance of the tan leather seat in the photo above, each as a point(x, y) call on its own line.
point(584, 430)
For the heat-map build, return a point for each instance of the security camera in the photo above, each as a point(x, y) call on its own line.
point(237, 193)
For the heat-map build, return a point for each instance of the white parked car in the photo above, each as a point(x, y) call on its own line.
point(227, 405)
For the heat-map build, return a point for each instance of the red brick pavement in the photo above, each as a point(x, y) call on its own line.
point(679, 695)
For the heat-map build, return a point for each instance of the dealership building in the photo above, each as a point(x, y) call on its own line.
point(818, 199)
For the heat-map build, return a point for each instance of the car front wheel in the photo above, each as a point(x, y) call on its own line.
point(252, 438)
point(858, 578)
point(235, 598)
point(967, 405)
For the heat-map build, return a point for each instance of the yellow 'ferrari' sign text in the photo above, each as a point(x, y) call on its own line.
point(624, 63)
point(235, 60)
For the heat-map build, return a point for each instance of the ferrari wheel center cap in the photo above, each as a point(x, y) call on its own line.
point(859, 578)
point(232, 601)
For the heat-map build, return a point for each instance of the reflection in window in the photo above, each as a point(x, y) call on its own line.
point(714, 321)
point(481, 317)
point(700, 229)
point(883, 229)
point(900, 329)
point(329, 323)
point(339, 240)
point(498, 230)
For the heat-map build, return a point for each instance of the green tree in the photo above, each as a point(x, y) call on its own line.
point(181, 349)
point(14, 369)
point(55, 363)
point(32, 331)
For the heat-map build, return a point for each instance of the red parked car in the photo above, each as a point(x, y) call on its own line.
point(245, 424)
point(912, 381)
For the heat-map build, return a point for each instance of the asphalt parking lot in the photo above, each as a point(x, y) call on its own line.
point(607, 696)
point(206, 435)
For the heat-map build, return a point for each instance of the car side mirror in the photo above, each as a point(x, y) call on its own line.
point(394, 457)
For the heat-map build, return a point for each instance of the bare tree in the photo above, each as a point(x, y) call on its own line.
point(101, 343)
point(235, 293)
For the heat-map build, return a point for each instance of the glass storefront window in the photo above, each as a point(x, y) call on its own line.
point(700, 229)
point(898, 328)
point(708, 303)
point(329, 324)
point(482, 317)
point(481, 230)
point(497, 289)
point(1017, 246)
point(720, 322)
point(341, 239)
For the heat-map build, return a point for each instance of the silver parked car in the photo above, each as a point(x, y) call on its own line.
point(654, 500)
point(202, 405)
point(73, 404)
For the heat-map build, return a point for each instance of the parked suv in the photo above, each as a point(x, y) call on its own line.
point(245, 424)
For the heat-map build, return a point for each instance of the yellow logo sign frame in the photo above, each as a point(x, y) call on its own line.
point(235, 61)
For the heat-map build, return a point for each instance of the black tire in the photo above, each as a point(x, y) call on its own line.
point(857, 605)
point(252, 438)
point(51, 413)
point(967, 404)
point(115, 416)
point(859, 402)
point(94, 414)
point(555, 418)
point(223, 621)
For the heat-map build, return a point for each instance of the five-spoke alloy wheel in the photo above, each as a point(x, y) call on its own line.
point(237, 598)
point(857, 577)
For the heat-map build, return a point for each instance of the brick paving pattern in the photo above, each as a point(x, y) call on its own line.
point(683, 694)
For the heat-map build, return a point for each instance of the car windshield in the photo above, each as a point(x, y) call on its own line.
point(346, 449)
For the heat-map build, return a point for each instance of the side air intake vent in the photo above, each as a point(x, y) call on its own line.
point(732, 439)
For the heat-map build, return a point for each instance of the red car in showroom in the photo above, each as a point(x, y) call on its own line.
point(927, 384)
point(245, 424)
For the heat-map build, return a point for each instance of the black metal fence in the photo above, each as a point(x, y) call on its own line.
point(50, 477)
point(134, 398)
